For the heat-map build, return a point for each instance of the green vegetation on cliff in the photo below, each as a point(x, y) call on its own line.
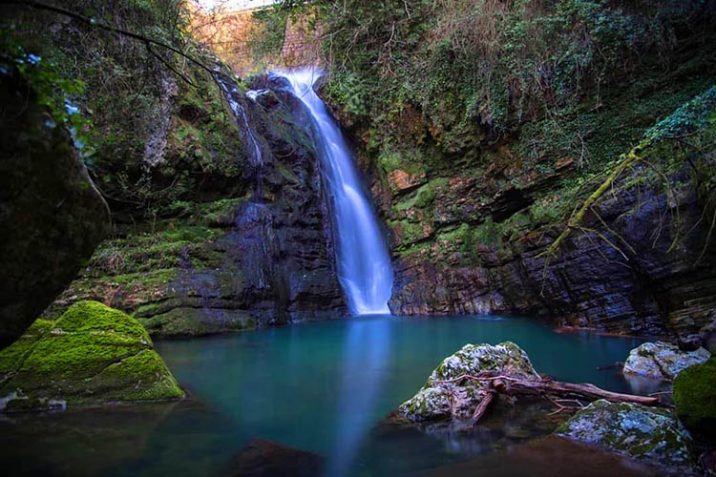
point(529, 103)
point(91, 355)
point(148, 136)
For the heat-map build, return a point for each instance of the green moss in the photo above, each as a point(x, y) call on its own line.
point(423, 197)
point(92, 316)
point(91, 355)
point(695, 396)
point(142, 376)
point(182, 321)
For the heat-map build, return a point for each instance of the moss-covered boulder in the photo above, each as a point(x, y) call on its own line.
point(695, 397)
point(445, 395)
point(661, 360)
point(92, 355)
point(644, 433)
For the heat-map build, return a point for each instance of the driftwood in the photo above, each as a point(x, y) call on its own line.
point(546, 387)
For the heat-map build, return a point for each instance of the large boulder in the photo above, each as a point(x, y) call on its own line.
point(51, 215)
point(661, 360)
point(92, 355)
point(648, 434)
point(695, 397)
point(446, 395)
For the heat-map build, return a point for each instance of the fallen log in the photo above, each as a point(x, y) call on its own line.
point(546, 387)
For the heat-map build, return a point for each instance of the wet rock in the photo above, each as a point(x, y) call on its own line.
point(263, 458)
point(661, 360)
point(695, 397)
point(185, 321)
point(708, 335)
point(445, 396)
point(92, 355)
point(233, 264)
point(51, 215)
point(648, 434)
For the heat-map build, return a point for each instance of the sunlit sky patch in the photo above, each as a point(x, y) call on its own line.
point(234, 4)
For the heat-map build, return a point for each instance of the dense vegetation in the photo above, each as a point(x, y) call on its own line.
point(152, 126)
point(524, 87)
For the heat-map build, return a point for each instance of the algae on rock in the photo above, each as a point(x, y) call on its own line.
point(92, 355)
point(644, 433)
point(445, 395)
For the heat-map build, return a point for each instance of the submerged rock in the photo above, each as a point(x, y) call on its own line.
point(263, 458)
point(91, 355)
point(445, 395)
point(695, 397)
point(547, 457)
point(648, 434)
point(661, 360)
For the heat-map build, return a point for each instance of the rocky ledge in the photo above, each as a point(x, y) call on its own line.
point(91, 356)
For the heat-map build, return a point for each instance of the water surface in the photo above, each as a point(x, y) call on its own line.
point(323, 387)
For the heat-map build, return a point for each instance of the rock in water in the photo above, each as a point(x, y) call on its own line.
point(51, 215)
point(662, 360)
point(695, 397)
point(443, 396)
point(92, 355)
point(263, 458)
point(647, 434)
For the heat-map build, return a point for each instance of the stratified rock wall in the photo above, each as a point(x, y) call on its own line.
point(263, 259)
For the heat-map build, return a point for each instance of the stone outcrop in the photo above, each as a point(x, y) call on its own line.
point(91, 356)
point(662, 360)
point(473, 242)
point(232, 264)
point(51, 215)
point(647, 434)
point(590, 284)
point(444, 396)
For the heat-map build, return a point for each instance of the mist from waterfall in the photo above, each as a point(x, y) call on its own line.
point(364, 268)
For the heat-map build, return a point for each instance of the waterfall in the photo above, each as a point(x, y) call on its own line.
point(364, 268)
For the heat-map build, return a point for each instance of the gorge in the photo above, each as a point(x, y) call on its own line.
point(238, 246)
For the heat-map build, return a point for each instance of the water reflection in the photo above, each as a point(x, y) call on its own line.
point(365, 353)
point(324, 387)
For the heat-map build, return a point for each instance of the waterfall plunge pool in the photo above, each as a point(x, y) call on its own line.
point(324, 387)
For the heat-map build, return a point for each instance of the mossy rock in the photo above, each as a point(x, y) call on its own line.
point(645, 433)
point(91, 355)
point(695, 397)
point(445, 396)
point(185, 321)
point(661, 360)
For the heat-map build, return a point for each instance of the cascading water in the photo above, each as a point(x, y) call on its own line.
point(364, 267)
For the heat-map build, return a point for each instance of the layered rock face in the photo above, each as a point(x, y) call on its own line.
point(591, 283)
point(51, 215)
point(638, 262)
point(262, 259)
